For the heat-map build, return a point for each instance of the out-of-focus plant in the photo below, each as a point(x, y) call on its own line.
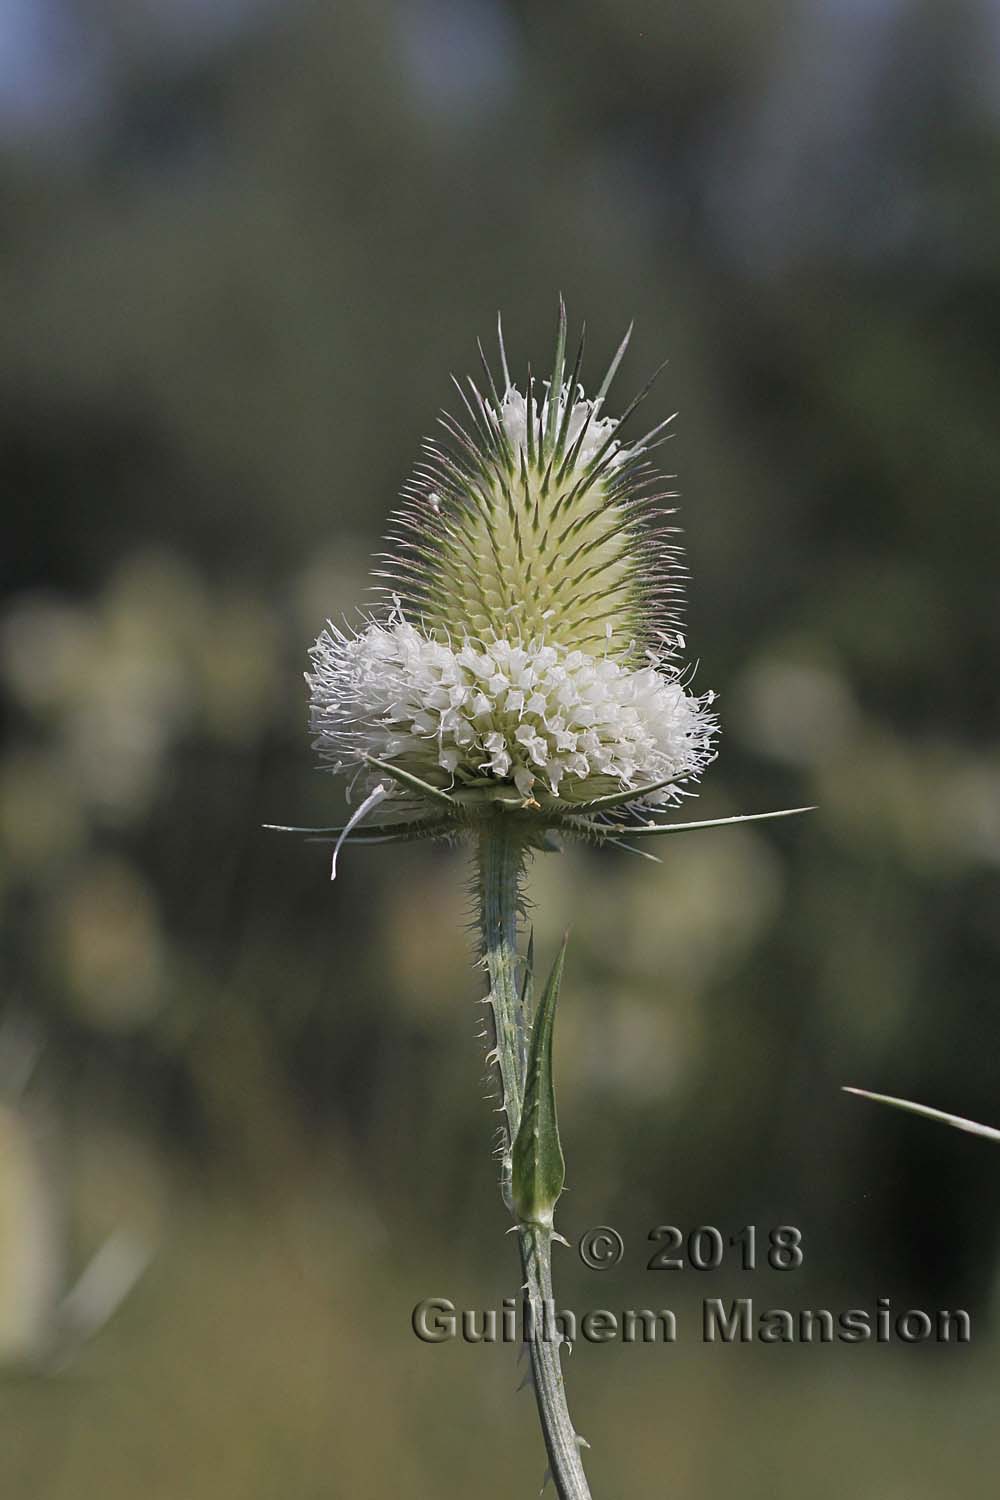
point(44, 1319)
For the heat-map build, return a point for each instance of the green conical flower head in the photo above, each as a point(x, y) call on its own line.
point(539, 523)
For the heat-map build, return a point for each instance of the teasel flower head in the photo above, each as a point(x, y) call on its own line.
point(526, 657)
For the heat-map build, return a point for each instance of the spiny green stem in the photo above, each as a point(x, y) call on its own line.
point(562, 1444)
point(501, 854)
point(501, 865)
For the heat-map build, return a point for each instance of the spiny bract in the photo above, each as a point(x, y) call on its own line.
point(526, 657)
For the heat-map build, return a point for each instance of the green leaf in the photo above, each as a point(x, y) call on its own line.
point(956, 1121)
point(619, 799)
point(651, 830)
point(389, 834)
point(407, 780)
point(538, 1171)
point(374, 833)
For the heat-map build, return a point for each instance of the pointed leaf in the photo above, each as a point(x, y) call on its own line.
point(292, 828)
point(373, 799)
point(619, 799)
point(375, 833)
point(986, 1131)
point(538, 1171)
point(640, 853)
point(649, 830)
point(407, 779)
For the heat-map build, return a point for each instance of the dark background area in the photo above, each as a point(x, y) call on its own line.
point(243, 244)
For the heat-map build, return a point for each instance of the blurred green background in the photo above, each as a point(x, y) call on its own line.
point(243, 245)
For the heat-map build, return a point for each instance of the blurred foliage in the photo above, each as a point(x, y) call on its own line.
point(243, 246)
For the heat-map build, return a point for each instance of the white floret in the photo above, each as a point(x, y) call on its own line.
point(521, 712)
point(514, 414)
